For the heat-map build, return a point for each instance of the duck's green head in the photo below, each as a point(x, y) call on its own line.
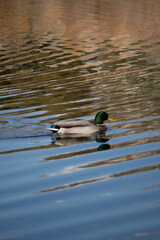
point(101, 117)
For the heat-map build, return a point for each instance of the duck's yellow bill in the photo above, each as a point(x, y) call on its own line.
point(111, 119)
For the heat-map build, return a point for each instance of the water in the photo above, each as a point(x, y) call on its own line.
point(63, 60)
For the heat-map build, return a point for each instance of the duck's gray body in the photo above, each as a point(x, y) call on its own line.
point(77, 127)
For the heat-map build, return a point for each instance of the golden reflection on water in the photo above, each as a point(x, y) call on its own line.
point(63, 60)
point(122, 20)
point(71, 59)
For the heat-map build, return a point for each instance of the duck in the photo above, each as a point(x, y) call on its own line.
point(82, 127)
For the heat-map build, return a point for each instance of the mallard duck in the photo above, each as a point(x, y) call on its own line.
point(82, 126)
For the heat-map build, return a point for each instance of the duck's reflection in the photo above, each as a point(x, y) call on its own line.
point(73, 139)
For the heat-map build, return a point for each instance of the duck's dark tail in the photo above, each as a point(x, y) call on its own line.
point(54, 128)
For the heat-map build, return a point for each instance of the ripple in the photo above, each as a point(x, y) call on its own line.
point(64, 60)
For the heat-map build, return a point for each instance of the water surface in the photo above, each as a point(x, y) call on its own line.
point(63, 60)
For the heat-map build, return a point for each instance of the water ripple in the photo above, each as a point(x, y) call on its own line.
point(63, 60)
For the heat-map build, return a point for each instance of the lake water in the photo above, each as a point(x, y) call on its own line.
point(63, 60)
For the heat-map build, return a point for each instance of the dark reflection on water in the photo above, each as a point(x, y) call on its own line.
point(63, 60)
point(71, 139)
